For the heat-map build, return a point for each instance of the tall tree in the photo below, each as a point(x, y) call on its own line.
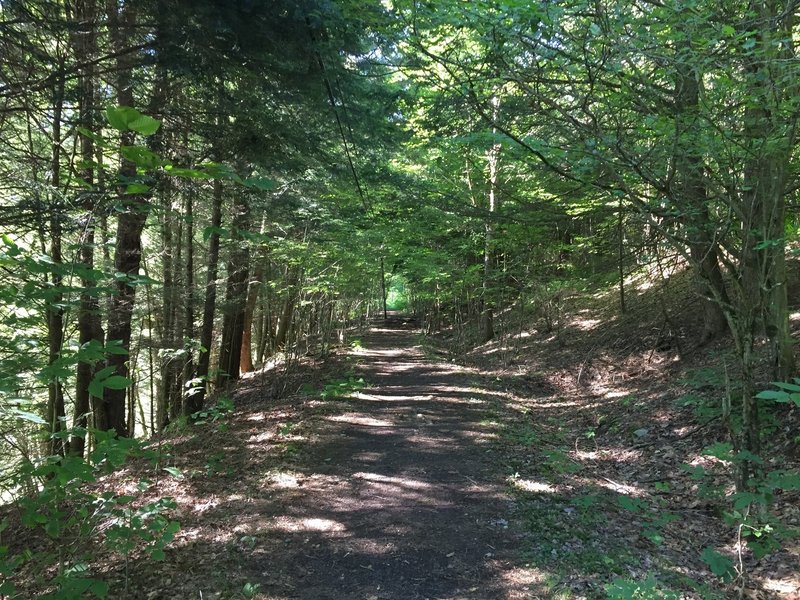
point(133, 211)
point(90, 329)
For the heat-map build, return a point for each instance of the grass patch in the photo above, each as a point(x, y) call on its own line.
point(567, 538)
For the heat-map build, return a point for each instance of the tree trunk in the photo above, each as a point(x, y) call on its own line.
point(169, 401)
point(90, 327)
point(196, 397)
point(769, 139)
point(692, 199)
point(492, 161)
point(188, 323)
point(56, 415)
point(127, 260)
point(253, 293)
point(233, 314)
point(285, 320)
point(621, 255)
point(383, 289)
point(769, 131)
point(130, 224)
point(267, 329)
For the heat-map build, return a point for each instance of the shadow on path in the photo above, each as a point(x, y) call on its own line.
point(395, 496)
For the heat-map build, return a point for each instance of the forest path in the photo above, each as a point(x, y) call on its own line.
point(401, 490)
point(395, 494)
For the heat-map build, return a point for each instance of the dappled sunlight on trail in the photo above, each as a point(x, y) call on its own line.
point(393, 494)
point(433, 480)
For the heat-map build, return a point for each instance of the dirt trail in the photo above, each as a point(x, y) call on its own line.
point(398, 496)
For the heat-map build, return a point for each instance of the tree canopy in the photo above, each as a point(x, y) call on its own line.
point(189, 191)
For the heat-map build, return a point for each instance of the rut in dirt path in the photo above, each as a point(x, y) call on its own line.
point(400, 497)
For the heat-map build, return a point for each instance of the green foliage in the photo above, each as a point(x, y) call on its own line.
point(588, 130)
point(214, 413)
point(628, 589)
point(125, 118)
point(342, 388)
point(215, 464)
point(249, 590)
point(748, 511)
point(652, 519)
point(71, 584)
point(396, 294)
point(147, 525)
point(586, 502)
point(105, 378)
point(704, 407)
point(67, 507)
point(652, 527)
point(565, 540)
point(720, 450)
point(522, 434)
point(286, 428)
point(8, 564)
point(720, 565)
point(787, 393)
point(560, 462)
point(631, 504)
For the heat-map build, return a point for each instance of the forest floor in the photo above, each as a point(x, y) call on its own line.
point(411, 476)
point(539, 465)
point(386, 489)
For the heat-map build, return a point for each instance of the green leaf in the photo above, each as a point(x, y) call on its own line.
point(116, 347)
point(7, 588)
point(761, 547)
point(176, 473)
point(96, 388)
point(747, 456)
point(720, 565)
point(188, 173)
point(90, 352)
point(789, 387)
point(259, 183)
point(117, 382)
point(157, 554)
point(631, 504)
point(654, 536)
point(784, 481)
point(209, 231)
point(99, 589)
point(105, 372)
point(742, 500)
point(28, 416)
point(97, 139)
point(52, 528)
point(142, 157)
point(776, 395)
point(99, 381)
point(721, 450)
point(144, 125)
point(782, 396)
point(116, 117)
point(137, 188)
point(125, 118)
